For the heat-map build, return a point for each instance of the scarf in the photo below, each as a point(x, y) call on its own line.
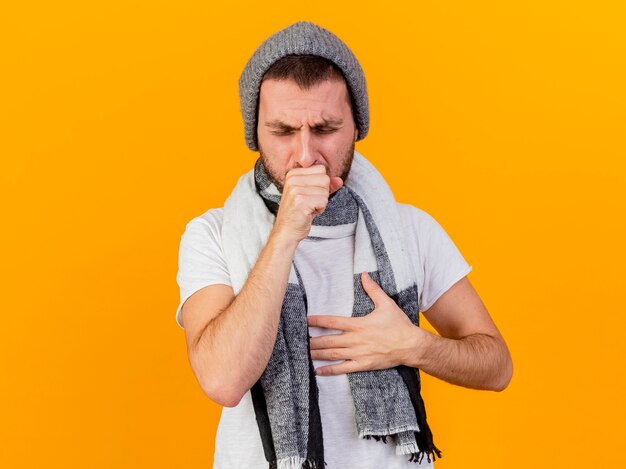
point(388, 402)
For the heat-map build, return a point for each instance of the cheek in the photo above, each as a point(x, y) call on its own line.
point(330, 145)
point(278, 155)
point(278, 148)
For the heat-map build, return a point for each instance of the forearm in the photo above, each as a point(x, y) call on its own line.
point(476, 361)
point(235, 347)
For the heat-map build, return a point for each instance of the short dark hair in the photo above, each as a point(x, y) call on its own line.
point(307, 70)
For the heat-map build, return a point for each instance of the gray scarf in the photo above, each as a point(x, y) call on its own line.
point(388, 402)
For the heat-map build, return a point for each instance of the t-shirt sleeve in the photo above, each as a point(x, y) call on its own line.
point(439, 262)
point(200, 258)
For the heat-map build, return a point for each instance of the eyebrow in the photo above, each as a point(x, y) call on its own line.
point(278, 124)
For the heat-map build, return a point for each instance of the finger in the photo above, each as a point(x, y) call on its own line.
point(308, 190)
point(373, 290)
point(336, 183)
point(348, 366)
point(310, 203)
point(332, 322)
point(309, 178)
point(314, 169)
point(330, 341)
point(332, 354)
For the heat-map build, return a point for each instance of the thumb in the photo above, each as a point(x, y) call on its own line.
point(373, 290)
point(336, 183)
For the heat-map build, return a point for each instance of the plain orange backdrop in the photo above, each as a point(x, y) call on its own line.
point(120, 122)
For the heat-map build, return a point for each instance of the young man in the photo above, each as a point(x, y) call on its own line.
point(300, 297)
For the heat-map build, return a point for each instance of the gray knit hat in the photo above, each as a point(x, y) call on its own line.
point(300, 38)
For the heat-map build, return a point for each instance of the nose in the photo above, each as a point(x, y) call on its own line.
point(305, 148)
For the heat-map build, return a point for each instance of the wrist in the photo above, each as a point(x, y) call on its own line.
point(421, 343)
point(282, 241)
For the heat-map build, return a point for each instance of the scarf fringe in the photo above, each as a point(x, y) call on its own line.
point(417, 457)
point(408, 448)
point(297, 462)
point(369, 432)
point(413, 449)
point(377, 437)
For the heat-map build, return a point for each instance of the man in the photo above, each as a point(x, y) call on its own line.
point(299, 297)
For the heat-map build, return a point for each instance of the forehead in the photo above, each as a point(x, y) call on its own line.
point(286, 95)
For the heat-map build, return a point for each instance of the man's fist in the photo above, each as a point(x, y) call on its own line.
point(305, 194)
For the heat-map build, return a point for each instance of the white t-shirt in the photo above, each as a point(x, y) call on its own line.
point(438, 265)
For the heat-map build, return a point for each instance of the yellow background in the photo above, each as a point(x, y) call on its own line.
point(120, 122)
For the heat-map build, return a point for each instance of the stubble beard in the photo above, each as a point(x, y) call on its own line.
point(345, 165)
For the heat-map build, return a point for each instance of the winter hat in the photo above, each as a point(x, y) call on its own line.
point(300, 38)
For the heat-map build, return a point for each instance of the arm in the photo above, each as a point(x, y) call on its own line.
point(229, 348)
point(230, 339)
point(470, 351)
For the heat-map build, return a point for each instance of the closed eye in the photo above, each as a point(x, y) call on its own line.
point(316, 130)
point(325, 131)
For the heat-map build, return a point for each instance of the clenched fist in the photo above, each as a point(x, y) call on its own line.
point(305, 194)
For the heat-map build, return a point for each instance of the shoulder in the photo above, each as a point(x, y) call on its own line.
point(438, 263)
point(417, 219)
point(417, 225)
point(203, 232)
point(211, 218)
point(209, 222)
point(423, 227)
